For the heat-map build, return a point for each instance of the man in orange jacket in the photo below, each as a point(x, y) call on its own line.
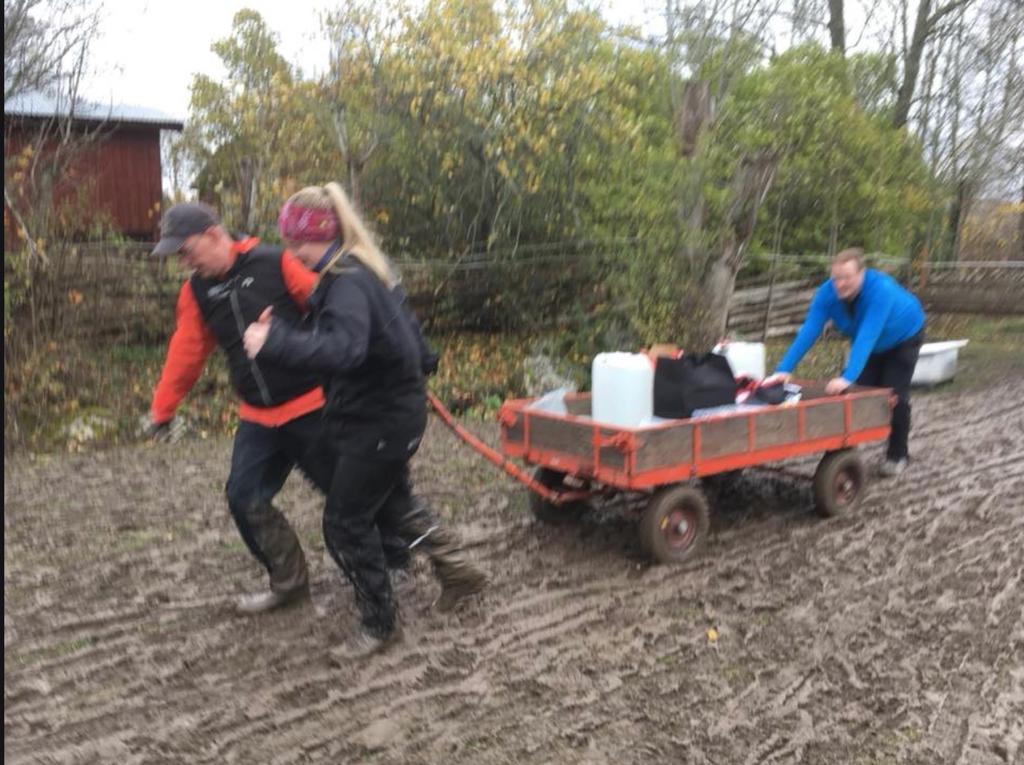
point(231, 284)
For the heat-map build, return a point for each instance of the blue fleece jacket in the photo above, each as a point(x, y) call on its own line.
point(884, 315)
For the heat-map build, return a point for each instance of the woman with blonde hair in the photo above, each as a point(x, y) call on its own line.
point(366, 345)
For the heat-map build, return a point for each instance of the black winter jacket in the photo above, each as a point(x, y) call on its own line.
point(366, 345)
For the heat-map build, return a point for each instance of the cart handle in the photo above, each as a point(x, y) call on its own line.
point(495, 457)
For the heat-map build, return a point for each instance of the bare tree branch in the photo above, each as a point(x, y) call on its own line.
point(42, 43)
point(837, 26)
point(945, 10)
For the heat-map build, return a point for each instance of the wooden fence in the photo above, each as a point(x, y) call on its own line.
point(986, 288)
point(119, 291)
point(773, 308)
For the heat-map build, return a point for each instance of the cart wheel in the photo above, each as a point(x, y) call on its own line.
point(547, 512)
point(839, 483)
point(675, 525)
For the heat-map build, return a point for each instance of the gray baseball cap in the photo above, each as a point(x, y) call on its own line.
point(182, 221)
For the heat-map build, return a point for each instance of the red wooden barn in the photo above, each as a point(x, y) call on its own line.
point(117, 171)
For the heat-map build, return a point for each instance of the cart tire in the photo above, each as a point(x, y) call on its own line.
point(839, 483)
point(548, 512)
point(675, 525)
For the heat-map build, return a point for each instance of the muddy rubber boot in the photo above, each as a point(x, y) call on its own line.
point(459, 578)
point(399, 577)
point(380, 627)
point(890, 468)
point(365, 644)
point(270, 600)
point(282, 555)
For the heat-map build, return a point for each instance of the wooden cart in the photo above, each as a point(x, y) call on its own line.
point(576, 459)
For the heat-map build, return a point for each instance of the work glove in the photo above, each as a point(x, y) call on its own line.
point(169, 431)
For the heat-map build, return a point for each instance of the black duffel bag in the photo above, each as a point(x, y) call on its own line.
point(692, 382)
point(773, 394)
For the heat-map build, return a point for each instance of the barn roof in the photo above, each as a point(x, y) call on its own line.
point(44, 106)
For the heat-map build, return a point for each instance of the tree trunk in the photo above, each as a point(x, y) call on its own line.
point(719, 284)
point(911, 65)
point(924, 25)
point(247, 193)
point(1020, 221)
point(750, 187)
point(705, 302)
point(836, 26)
point(695, 113)
point(966, 191)
point(353, 181)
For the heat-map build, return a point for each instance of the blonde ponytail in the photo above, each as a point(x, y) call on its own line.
point(356, 237)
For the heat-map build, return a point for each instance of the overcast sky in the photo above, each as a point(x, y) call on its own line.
point(148, 51)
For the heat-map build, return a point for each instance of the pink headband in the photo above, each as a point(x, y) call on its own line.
point(307, 224)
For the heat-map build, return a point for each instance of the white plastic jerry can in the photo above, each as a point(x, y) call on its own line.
point(623, 389)
point(744, 358)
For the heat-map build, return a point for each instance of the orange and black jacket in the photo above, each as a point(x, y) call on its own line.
point(212, 312)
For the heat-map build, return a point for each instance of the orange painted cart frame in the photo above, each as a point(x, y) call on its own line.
point(576, 459)
point(677, 450)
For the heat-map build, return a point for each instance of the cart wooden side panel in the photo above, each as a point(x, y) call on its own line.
point(640, 458)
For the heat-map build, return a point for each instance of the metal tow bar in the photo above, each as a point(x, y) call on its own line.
point(496, 458)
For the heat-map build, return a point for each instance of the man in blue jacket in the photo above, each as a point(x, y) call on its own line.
point(886, 324)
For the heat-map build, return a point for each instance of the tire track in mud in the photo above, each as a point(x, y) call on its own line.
point(947, 425)
point(438, 679)
point(469, 680)
point(852, 540)
point(864, 638)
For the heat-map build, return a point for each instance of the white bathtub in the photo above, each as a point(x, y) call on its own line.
point(937, 362)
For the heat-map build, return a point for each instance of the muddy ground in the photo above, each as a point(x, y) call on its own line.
point(894, 636)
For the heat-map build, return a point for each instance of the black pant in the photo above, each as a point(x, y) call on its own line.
point(893, 369)
point(261, 461)
point(369, 500)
